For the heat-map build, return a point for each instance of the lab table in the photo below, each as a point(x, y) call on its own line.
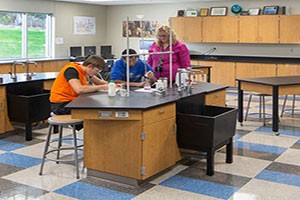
point(131, 139)
point(275, 86)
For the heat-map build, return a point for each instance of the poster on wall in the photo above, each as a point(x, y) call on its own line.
point(136, 28)
point(84, 25)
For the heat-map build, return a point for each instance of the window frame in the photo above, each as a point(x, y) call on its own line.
point(49, 33)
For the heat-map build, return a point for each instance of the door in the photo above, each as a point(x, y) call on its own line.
point(159, 147)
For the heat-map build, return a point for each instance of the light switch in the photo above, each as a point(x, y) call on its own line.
point(59, 40)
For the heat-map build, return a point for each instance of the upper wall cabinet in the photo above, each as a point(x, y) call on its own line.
point(259, 29)
point(188, 29)
point(220, 29)
point(290, 29)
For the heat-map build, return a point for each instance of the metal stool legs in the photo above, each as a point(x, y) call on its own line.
point(61, 121)
point(261, 107)
point(284, 104)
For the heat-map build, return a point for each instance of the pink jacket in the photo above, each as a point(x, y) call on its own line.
point(180, 58)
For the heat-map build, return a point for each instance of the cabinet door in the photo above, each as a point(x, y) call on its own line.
point(221, 72)
point(269, 29)
point(288, 70)
point(178, 27)
point(187, 29)
point(2, 114)
point(259, 29)
point(193, 29)
point(249, 29)
point(159, 147)
point(290, 29)
point(255, 70)
point(220, 29)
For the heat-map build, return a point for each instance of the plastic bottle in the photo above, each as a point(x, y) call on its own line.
point(159, 85)
point(111, 89)
point(147, 85)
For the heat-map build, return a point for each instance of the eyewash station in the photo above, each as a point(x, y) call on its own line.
point(133, 137)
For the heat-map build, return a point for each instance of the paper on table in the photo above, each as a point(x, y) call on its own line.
point(143, 90)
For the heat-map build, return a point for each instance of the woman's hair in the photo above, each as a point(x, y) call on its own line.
point(167, 30)
point(95, 61)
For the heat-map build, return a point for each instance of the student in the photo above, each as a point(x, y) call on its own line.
point(138, 71)
point(72, 81)
point(161, 62)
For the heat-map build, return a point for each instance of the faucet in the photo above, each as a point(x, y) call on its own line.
point(13, 69)
point(180, 83)
point(189, 87)
point(198, 70)
point(28, 62)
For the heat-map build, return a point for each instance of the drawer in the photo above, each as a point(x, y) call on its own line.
point(113, 115)
point(214, 98)
point(158, 114)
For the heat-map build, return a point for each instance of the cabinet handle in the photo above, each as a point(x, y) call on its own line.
point(2, 106)
point(161, 111)
point(175, 129)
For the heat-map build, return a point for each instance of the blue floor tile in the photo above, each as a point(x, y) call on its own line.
point(237, 136)
point(82, 190)
point(200, 187)
point(279, 177)
point(259, 147)
point(290, 132)
point(10, 146)
point(18, 160)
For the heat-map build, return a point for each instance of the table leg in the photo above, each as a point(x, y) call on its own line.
point(208, 75)
point(275, 116)
point(240, 102)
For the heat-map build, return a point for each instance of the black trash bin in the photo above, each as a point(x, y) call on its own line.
point(28, 103)
point(207, 129)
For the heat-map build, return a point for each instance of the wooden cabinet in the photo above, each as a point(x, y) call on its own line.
point(259, 29)
point(288, 70)
point(220, 29)
point(135, 147)
point(290, 29)
point(54, 65)
point(217, 98)
point(187, 29)
point(5, 124)
point(221, 72)
point(255, 70)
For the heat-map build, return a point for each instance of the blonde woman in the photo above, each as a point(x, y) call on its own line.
point(161, 62)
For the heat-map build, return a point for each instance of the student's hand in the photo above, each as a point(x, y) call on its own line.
point(119, 86)
point(149, 74)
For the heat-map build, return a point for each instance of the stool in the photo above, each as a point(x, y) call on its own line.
point(261, 105)
point(293, 105)
point(60, 121)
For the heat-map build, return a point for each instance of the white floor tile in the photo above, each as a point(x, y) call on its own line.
point(265, 190)
point(267, 139)
point(166, 193)
point(242, 166)
point(54, 176)
point(290, 156)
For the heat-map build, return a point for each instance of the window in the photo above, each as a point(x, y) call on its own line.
point(25, 35)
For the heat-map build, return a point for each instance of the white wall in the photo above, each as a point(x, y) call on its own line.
point(109, 23)
point(162, 12)
point(63, 14)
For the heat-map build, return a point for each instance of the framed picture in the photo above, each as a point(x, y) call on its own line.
point(218, 11)
point(270, 10)
point(203, 12)
point(254, 11)
point(243, 13)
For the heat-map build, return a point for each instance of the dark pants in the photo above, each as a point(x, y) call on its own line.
point(60, 109)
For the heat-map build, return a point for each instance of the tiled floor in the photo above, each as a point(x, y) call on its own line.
point(265, 167)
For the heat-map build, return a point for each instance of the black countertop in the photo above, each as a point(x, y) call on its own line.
point(21, 77)
point(248, 59)
point(137, 100)
point(273, 81)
